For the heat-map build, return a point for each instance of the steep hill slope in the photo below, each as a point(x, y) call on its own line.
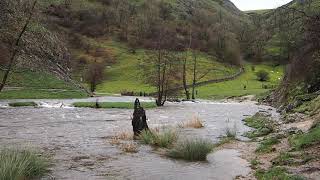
point(40, 50)
point(105, 26)
point(117, 34)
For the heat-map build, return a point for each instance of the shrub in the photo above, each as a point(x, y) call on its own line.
point(147, 137)
point(159, 139)
point(21, 164)
point(262, 75)
point(166, 138)
point(231, 133)
point(192, 150)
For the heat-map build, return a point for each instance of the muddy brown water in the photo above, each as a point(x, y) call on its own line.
point(79, 139)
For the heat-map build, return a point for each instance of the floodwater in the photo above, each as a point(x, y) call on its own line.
point(79, 139)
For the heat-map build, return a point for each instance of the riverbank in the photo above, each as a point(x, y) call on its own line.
point(290, 151)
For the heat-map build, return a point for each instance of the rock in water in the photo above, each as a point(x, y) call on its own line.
point(139, 120)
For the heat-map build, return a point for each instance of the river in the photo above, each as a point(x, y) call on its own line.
point(78, 139)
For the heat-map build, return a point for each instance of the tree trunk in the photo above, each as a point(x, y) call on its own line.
point(184, 79)
point(16, 45)
point(160, 80)
point(194, 75)
point(184, 73)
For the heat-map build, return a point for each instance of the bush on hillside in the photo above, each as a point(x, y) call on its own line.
point(262, 75)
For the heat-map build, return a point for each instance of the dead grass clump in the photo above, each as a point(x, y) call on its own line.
point(129, 147)
point(125, 135)
point(195, 122)
point(115, 141)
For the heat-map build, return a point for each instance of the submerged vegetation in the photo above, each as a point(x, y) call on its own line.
point(163, 139)
point(262, 125)
point(21, 164)
point(191, 150)
point(22, 104)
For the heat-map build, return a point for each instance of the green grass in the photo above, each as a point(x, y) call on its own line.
point(21, 104)
point(108, 105)
point(38, 85)
point(126, 74)
point(21, 164)
point(235, 88)
point(257, 121)
point(309, 107)
point(34, 79)
point(163, 139)
point(290, 159)
point(262, 125)
point(192, 150)
point(306, 140)
point(40, 94)
point(260, 11)
point(254, 163)
point(266, 145)
point(276, 173)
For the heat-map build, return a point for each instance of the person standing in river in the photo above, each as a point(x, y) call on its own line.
point(139, 120)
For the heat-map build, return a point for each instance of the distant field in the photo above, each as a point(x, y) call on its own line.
point(261, 11)
point(126, 74)
point(236, 87)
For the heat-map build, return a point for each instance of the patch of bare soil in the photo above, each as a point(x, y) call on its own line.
point(311, 168)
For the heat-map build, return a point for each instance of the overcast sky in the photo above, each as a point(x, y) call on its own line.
point(258, 4)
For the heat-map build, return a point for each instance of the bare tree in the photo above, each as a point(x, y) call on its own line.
point(184, 66)
point(95, 75)
point(16, 47)
point(194, 74)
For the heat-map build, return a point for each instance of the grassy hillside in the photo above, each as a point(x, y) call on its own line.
point(123, 71)
point(126, 73)
point(26, 84)
point(282, 28)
